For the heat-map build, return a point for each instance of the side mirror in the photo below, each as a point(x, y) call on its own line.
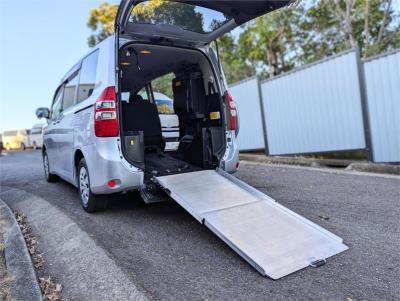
point(43, 113)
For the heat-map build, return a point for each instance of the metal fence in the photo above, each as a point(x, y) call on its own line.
point(382, 84)
point(336, 104)
point(315, 109)
point(247, 97)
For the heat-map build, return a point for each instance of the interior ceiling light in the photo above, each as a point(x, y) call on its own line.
point(145, 52)
point(125, 63)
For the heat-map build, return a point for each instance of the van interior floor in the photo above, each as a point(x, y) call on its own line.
point(163, 164)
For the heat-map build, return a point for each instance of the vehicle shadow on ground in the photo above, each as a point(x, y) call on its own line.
point(132, 201)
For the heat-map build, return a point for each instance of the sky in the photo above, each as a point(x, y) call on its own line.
point(39, 41)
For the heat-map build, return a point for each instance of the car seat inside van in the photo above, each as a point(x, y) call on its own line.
point(197, 102)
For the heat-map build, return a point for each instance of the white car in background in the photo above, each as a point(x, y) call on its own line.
point(169, 120)
point(15, 139)
point(36, 136)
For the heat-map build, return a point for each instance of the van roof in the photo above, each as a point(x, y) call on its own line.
point(78, 64)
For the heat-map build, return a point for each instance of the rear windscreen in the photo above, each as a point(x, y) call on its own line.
point(185, 16)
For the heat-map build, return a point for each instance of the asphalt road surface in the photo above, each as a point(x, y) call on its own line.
point(171, 256)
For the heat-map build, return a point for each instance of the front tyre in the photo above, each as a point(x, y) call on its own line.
point(89, 201)
point(48, 175)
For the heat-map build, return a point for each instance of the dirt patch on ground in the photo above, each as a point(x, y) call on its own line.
point(51, 290)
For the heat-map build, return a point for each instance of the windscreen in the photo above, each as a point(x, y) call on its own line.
point(184, 16)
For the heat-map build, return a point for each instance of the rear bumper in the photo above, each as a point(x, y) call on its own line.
point(105, 163)
point(231, 157)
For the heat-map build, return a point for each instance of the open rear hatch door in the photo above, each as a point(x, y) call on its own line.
point(187, 23)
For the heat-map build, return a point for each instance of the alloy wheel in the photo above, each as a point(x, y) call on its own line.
point(46, 165)
point(84, 185)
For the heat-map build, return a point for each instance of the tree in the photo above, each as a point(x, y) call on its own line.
point(164, 12)
point(269, 41)
point(333, 26)
point(346, 16)
point(234, 60)
point(381, 27)
point(102, 19)
point(319, 32)
point(163, 84)
point(281, 40)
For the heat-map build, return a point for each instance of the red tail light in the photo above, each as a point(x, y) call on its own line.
point(232, 111)
point(105, 114)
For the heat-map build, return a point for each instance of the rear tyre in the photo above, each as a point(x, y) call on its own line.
point(89, 201)
point(50, 177)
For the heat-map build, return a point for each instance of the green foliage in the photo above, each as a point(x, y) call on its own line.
point(234, 60)
point(101, 22)
point(102, 19)
point(164, 12)
point(324, 32)
point(270, 40)
point(163, 85)
point(283, 39)
point(319, 33)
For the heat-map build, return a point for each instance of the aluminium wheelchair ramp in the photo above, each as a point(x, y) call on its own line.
point(273, 239)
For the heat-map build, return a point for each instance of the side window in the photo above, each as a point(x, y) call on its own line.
point(56, 108)
point(144, 93)
point(69, 92)
point(87, 79)
point(163, 94)
point(125, 96)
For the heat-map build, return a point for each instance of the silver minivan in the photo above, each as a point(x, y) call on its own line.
point(103, 130)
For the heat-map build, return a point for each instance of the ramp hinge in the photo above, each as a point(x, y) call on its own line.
point(318, 263)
